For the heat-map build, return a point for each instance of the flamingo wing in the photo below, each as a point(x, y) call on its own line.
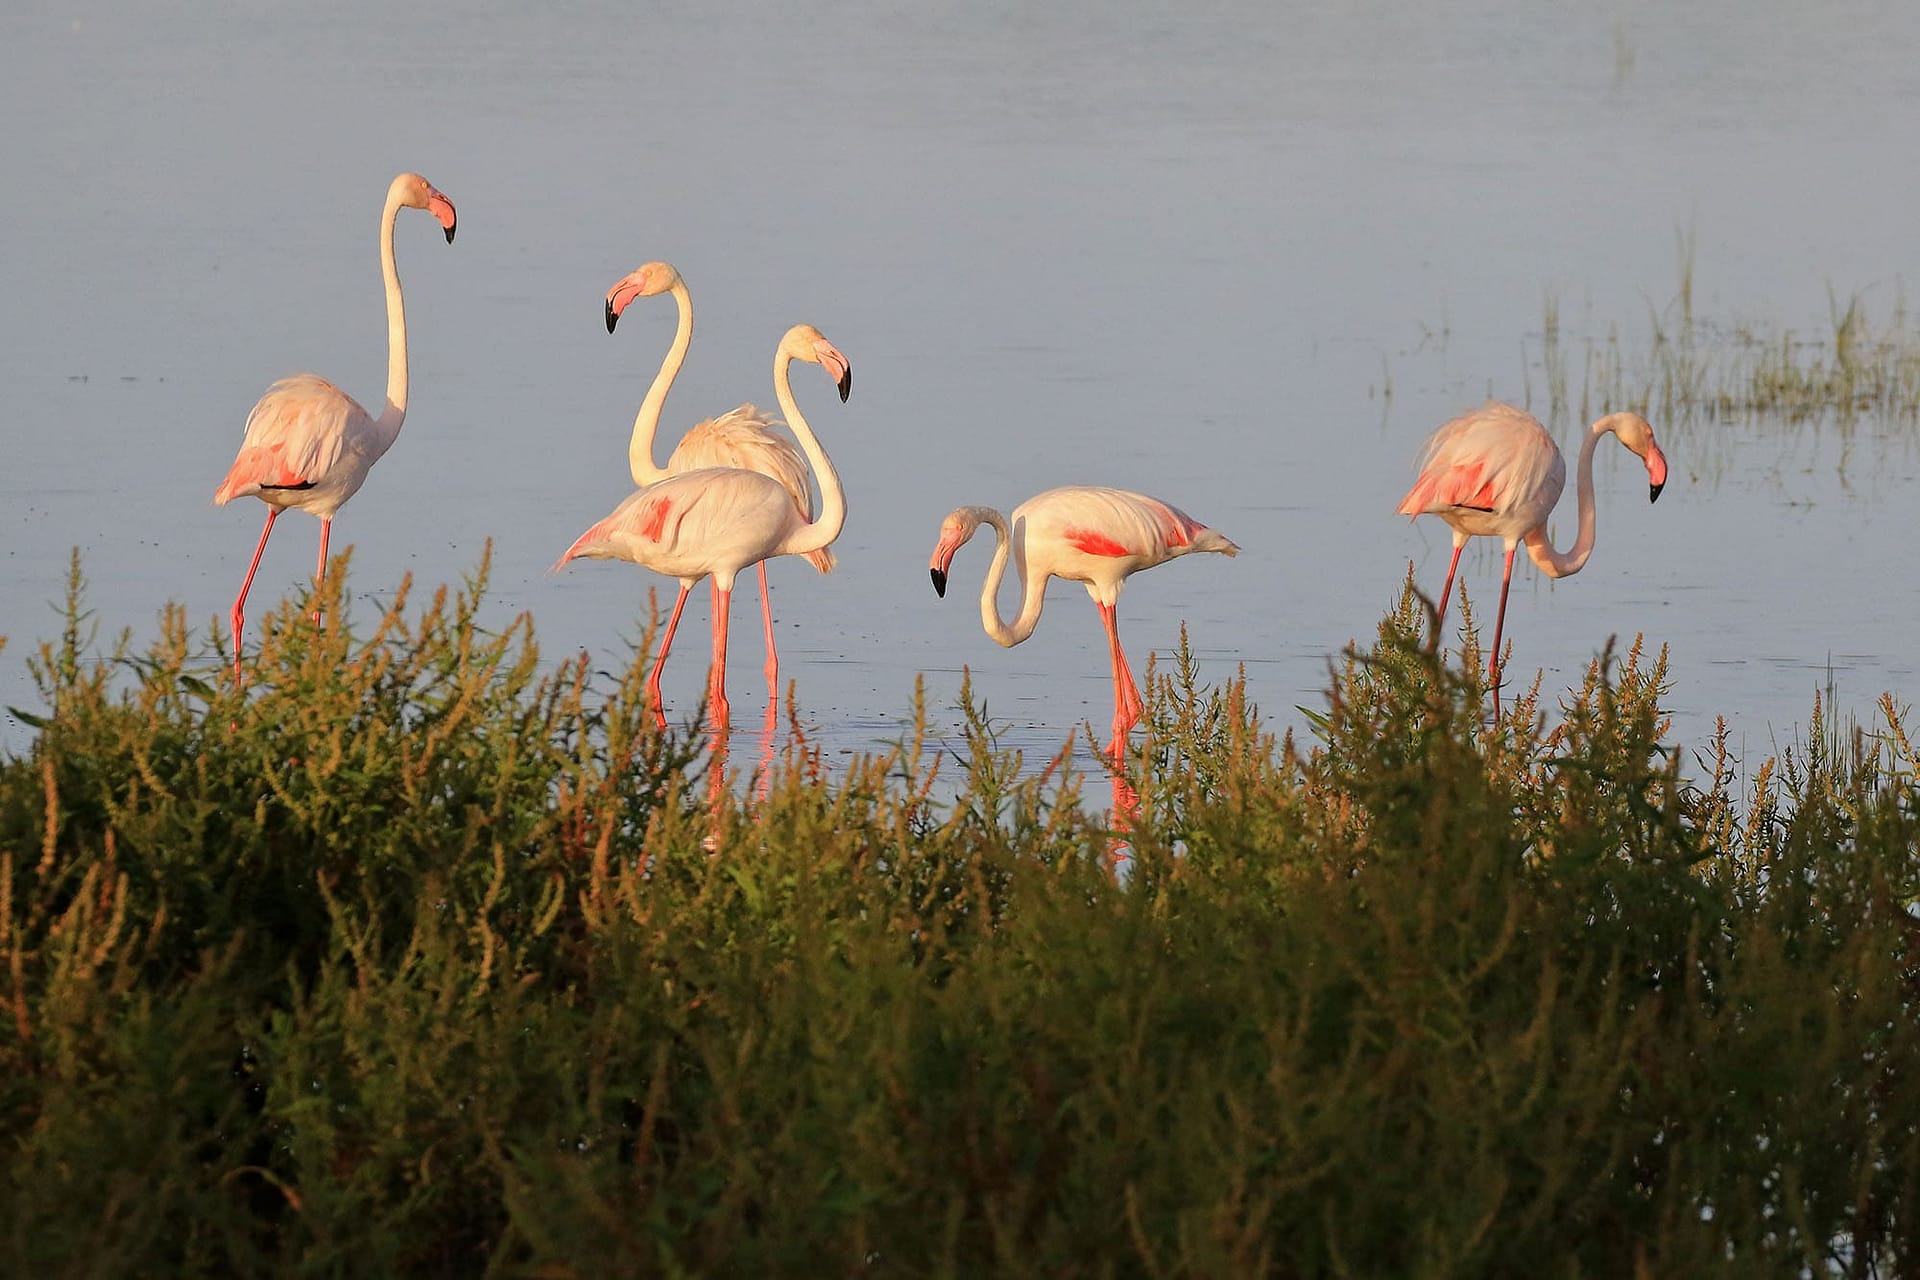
point(1118, 524)
point(296, 434)
point(745, 439)
point(1494, 459)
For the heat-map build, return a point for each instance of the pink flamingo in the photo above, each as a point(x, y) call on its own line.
point(718, 520)
point(1496, 472)
point(743, 439)
point(1087, 534)
point(308, 444)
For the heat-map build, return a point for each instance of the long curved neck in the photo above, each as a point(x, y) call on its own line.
point(1033, 595)
point(824, 528)
point(1556, 564)
point(647, 422)
point(396, 411)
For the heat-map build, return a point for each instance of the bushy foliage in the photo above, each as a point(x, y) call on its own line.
point(414, 955)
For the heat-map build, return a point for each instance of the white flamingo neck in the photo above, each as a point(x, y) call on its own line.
point(395, 411)
point(1033, 594)
point(823, 529)
point(646, 423)
point(1557, 564)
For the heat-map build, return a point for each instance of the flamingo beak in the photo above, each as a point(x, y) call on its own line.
point(1656, 473)
point(613, 317)
point(939, 582)
point(836, 365)
point(442, 208)
point(942, 559)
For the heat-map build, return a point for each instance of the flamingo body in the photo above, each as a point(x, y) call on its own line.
point(308, 445)
point(744, 439)
point(1496, 472)
point(1095, 536)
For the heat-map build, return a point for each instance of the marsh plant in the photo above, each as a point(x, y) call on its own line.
point(419, 955)
point(1687, 371)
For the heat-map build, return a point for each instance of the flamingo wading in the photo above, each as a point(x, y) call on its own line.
point(1091, 535)
point(308, 444)
point(1496, 472)
point(743, 438)
point(718, 520)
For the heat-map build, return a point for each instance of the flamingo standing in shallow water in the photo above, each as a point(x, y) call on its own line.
point(743, 438)
point(308, 444)
point(718, 520)
point(1496, 472)
point(1091, 535)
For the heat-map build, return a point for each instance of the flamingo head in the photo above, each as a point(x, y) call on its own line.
point(642, 282)
point(415, 192)
point(955, 531)
point(804, 342)
point(1632, 431)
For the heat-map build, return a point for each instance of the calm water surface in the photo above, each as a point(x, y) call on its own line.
point(1242, 256)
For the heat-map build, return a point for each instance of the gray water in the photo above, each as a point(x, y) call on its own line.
point(1241, 256)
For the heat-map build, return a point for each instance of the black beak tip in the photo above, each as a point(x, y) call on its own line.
point(1653, 492)
point(613, 317)
point(846, 385)
point(940, 584)
point(449, 235)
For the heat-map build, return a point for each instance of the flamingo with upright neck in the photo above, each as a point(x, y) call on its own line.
point(308, 444)
point(716, 521)
point(1091, 535)
point(1496, 472)
point(743, 438)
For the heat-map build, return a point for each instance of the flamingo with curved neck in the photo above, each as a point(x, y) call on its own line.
point(1091, 535)
point(308, 444)
point(715, 521)
point(743, 438)
point(1496, 472)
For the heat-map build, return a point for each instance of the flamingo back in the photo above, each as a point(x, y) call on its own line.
point(297, 438)
point(744, 438)
point(1095, 534)
point(1497, 460)
point(717, 520)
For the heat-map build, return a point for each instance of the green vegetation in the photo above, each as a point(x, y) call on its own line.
point(412, 959)
point(1693, 372)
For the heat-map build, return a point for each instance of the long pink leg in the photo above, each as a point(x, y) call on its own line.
point(1447, 590)
point(1499, 622)
point(320, 570)
point(666, 643)
point(717, 708)
point(773, 657)
point(1127, 706)
point(240, 601)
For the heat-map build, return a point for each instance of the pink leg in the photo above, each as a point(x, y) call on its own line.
point(773, 657)
point(320, 570)
point(717, 707)
point(1127, 706)
point(1499, 622)
point(240, 601)
point(666, 643)
point(1447, 590)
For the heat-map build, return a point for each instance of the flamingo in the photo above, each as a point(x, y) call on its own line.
point(1088, 534)
point(1496, 472)
point(718, 520)
point(742, 439)
point(308, 444)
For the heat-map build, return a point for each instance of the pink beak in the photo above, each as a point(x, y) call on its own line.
point(442, 208)
point(1656, 472)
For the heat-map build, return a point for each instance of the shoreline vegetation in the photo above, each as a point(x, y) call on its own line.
point(416, 957)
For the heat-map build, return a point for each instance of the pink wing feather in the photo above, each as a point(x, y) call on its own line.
point(295, 435)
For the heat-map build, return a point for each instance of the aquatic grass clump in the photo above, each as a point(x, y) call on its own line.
point(411, 958)
point(1688, 371)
